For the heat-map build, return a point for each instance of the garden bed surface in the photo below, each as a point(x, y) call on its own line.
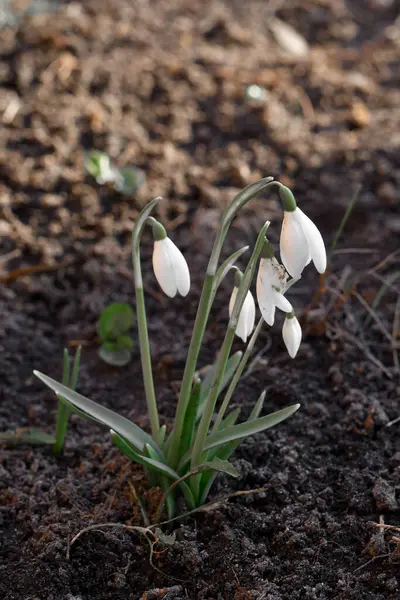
point(162, 85)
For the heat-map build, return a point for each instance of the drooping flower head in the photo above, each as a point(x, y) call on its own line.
point(170, 267)
point(271, 286)
point(247, 314)
point(300, 240)
point(291, 333)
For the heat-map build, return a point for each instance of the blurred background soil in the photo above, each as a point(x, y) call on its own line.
point(168, 86)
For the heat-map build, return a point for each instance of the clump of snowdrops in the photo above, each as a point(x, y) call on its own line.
point(187, 459)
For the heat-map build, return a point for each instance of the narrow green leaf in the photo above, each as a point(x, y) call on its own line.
point(163, 431)
point(207, 479)
point(231, 366)
point(150, 463)
point(75, 368)
point(227, 422)
point(243, 430)
point(65, 378)
point(220, 465)
point(255, 413)
point(225, 451)
point(227, 264)
point(248, 428)
point(190, 419)
point(128, 430)
point(231, 418)
point(28, 435)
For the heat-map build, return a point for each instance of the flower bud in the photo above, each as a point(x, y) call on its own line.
point(291, 333)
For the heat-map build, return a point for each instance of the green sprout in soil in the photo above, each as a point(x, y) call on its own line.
point(126, 180)
point(186, 459)
point(114, 324)
point(70, 379)
point(35, 435)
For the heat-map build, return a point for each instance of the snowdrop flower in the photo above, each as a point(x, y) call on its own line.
point(291, 333)
point(170, 267)
point(271, 285)
point(247, 315)
point(300, 240)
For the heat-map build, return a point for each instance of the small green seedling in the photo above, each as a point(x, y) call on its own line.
point(126, 180)
point(116, 345)
point(70, 379)
point(35, 435)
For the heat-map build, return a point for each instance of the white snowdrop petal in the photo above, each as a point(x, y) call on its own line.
point(241, 329)
point(295, 253)
point(163, 269)
point(247, 317)
point(314, 239)
point(281, 302)
point(291, 333)
point(251, 313)
point(265, 299)
point(232, 300)
point(180, 268)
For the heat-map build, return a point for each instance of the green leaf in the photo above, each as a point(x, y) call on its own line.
point(124, 342)
point(128, 430)
point(231, 366)
point(75, 368)
point(229, 262)
point(110, 347)
point(217, 464)
point(190, 419)
point(115, 321)
point(225, 451)
point(243, 430)
point(28, 435)
point(128, 180)
point(230, 419)
point(150, 463)
point(116, 358)
point(255, 413)
point(227, 422)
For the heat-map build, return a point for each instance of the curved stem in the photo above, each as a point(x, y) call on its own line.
point(231, 210)
point(144, 343)
point(203, 310)
point(220, 366)
point(237, 375)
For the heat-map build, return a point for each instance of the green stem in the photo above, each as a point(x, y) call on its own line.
point(237, 375)
point(220, 367)
point(204, 307)
point(212, 399)
point(190, 367)
point(144, 343)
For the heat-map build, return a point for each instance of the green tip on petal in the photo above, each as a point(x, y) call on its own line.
point(238, 278)
point(159, 232)
point(290, 315)
point(288, 200)
point(267, 250)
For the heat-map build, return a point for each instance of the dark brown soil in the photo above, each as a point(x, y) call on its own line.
point(161, 85)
